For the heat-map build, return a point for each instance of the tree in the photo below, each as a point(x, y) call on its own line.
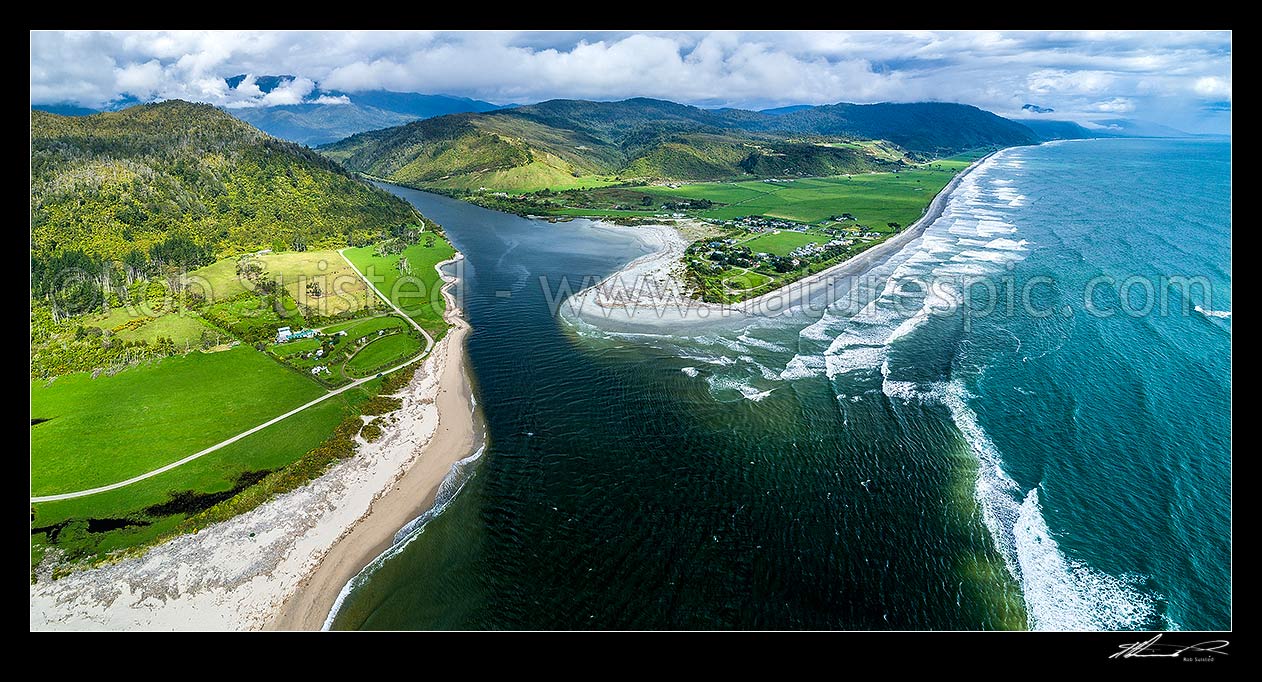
point(646, 201)
point(135, 265)
point(894, 226)
point(180, 252)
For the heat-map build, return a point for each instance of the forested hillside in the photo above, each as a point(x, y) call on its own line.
point(117, 196)
point(115, 182)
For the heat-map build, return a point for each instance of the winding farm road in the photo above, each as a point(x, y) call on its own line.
point(429, 344)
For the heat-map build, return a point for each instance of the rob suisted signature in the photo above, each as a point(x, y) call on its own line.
point(1153, 648)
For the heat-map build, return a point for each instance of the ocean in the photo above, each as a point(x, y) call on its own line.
point(1021, 420)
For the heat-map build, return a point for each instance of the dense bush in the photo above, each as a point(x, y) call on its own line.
point(120, 183)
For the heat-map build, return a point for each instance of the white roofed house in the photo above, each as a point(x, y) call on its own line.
point(282, 334)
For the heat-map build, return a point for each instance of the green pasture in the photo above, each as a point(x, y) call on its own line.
point(874, 199)
point(416, 292)
point(382, 353)
point(782, 242)
point(215, 473)
point(104, 430)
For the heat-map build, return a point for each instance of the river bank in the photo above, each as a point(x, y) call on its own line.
point(413, 493)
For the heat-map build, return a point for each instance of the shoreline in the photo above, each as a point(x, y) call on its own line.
point(456, 436)
point(645, 294)
point(893, 244)
point(270, 565)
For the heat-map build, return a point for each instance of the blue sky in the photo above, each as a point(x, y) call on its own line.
point(1182, 79)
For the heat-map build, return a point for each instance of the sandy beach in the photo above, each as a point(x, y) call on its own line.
point(646, 294)
point(283, 564)
point(413, 493)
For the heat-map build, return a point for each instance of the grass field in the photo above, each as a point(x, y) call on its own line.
point(341, 288)
point(601, 212)
point(104, 430)
point(740, 280)
point(357, 328)
point(382, 353)
point(271, 448)
point(294, 347)
point(137, 324)
point(874, 199)
point(781, 243)
point(182, 328)
point(417, 293)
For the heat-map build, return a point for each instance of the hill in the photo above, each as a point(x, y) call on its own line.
point(563, 143)
point(936, 129)
point(65, 109)
point(182, 183)
point(316, 124)
point(328, 115)
point(418, 105)
point(1061, 130)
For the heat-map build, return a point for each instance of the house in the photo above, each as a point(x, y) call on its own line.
point(319, 368)
point(282, 334)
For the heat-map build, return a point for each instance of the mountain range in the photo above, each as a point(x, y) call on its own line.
point(554, 142)
point(324, 115)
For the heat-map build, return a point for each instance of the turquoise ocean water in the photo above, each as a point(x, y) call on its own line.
point(1021, 420)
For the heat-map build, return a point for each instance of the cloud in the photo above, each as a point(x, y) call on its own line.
point(329, 99)
point(1116, 105)
point(1060, 81)
point(1213, 86)
point(1171, 76)
point(288, 92)
point(139, 80)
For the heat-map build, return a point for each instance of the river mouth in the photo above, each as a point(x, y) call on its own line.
point(618, 490)
point(869, 468)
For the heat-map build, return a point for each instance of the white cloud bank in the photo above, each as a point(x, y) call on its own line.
point(1177, 78)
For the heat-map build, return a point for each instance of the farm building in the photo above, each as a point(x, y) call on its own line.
point(286, 334)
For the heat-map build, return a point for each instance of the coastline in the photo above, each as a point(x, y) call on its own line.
point(269, 566)
point(645, 294)
point(455, 437)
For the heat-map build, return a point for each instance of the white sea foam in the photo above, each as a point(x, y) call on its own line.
point(1064, 594)
point(760, 343)
point(802, 366)
point(765, 371)
point(1210, 312)
point(720, 383)
point(976, 235)
point(690, 371)
point(1060, 593)
point(852, 359)
point(1002, 244)
point(725, 342)
point(709, 359)
point(986, 256)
